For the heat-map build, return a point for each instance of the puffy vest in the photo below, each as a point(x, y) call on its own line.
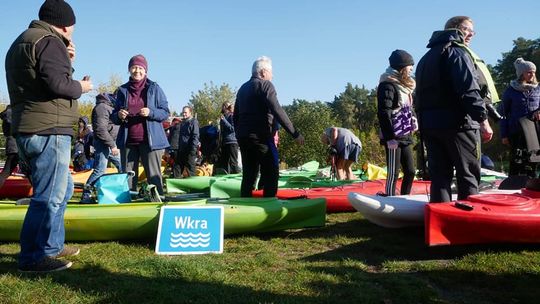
point(34, 107)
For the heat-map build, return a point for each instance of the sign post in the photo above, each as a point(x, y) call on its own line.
point(190, 230)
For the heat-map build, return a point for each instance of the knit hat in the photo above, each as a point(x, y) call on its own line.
point(84, 119)
point(523, 66)
point(138, 60)
point(400, 59)
point(57, 12)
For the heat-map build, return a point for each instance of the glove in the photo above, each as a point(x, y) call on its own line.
point(414, 123)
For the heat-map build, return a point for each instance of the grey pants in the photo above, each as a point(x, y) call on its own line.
point(151, 161)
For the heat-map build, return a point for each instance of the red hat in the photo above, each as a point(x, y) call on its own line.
point(138, 60)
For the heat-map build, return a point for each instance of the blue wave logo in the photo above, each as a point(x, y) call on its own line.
point(187, 240)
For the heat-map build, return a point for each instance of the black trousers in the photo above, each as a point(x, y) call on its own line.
point(402, 157)
point(184, 160)
point(258, 155)
point(449, 149)
point(228, 159)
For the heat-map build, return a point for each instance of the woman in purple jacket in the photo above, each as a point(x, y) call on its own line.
point(521, 99)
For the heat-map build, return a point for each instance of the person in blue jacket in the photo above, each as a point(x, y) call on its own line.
point(228, 159)
point(141, 107)
point(521, 99)
point(451, 110)
point(186, 136)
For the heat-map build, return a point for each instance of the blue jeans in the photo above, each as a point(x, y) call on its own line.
point(102, 155)
point(43, 232)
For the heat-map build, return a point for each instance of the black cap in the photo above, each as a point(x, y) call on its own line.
point(400, 59)
point(57, 13)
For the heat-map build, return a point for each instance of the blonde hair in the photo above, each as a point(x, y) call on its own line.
point(406, 79)
point(533, 81)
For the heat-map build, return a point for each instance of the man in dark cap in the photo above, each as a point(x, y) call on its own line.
point(43, 97)
point(104, 141)
point(452, 111)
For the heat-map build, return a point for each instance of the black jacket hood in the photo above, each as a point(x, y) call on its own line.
point(446, 36)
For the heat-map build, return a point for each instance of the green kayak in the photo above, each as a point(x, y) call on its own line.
point(227, 187)
point(140, 220)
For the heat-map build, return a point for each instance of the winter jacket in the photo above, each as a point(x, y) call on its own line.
point(255, 108)
point(39, 79)
point(448, 91)
point(159, 111)
point(104, 129)
point(188, 136)
point(226, 126)
point(515, 105)
point(388, 110)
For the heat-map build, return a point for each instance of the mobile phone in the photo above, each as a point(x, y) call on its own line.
point(463, 206)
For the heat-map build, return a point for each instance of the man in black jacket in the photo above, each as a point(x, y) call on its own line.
point(254, 111)
point(43, 97)
point(452, 112)
point(185, 140)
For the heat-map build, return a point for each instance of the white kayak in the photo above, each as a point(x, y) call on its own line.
point(397, 211)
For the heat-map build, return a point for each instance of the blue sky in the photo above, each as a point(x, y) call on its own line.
point(316, 46)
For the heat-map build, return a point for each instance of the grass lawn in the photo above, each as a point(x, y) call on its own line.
point(348, 261)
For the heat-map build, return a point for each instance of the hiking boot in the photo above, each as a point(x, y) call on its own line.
point(47, 264)
point(68, 251)
point(86, 197)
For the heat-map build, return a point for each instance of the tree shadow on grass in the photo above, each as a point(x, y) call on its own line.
point(103, 286)
point(429, 286)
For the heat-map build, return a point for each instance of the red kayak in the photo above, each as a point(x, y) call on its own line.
point(485, 218)
point(336, 197)
point(16, 187)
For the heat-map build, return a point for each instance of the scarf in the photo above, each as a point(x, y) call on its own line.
point(393, 76)
point(522, 86)
point(136, 101)
point(135, 90)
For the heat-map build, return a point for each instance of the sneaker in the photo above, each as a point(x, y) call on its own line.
point(68, 251)
point(47, 264)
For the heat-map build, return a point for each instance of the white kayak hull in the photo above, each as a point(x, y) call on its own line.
point(396, 211)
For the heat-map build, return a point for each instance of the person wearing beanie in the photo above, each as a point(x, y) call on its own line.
point(141, 107)
point(450, 102)
point(400, 59)
point(520, 103)
point(396, 120)
point(104, 142)
point(43, 96)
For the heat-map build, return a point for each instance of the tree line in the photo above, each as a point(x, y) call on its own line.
point(355, 108)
